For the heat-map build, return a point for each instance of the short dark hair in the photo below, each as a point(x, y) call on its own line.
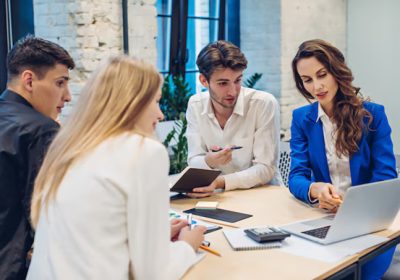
point(37, 55)
point(219, 55)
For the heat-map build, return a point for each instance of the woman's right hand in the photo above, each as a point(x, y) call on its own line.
point(327, 195)
point(193, 237)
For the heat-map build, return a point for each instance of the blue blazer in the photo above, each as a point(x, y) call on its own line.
point(374, 161)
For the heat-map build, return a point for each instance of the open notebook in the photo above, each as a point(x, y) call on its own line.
point(239, 241)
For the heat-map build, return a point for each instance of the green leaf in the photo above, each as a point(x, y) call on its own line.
point(252, 80)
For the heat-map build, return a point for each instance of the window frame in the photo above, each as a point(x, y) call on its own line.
point(178, 50)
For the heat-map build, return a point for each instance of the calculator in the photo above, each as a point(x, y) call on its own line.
point(266, 234)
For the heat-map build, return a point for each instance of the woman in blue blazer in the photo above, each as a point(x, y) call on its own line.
point(339, 141)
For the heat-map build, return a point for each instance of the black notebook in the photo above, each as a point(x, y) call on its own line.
point(219, 214)
point(191, 178)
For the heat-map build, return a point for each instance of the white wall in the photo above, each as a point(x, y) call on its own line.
point(373, 42)
point(272, 30)
point(92, 30)
point(260, 41)
point(304, 20)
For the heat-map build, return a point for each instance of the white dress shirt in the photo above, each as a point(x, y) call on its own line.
point(254, 125)
point(339, 167)
point(110, 218)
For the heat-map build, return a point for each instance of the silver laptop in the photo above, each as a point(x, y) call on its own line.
point(365, 209)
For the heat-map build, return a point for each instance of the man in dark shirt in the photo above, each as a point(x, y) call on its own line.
point(37, 89)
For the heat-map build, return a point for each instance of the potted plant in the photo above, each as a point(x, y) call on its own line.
point(175, 96)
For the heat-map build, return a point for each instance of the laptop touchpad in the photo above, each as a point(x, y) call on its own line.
point(325, 221)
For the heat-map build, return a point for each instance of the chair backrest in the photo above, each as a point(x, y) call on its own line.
point(284, 162)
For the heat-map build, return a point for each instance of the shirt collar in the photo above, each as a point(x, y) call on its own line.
point(12, 96)
point(239, 106)
point(207, 109)
point(321, 113)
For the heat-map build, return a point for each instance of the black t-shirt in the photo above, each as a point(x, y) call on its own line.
point(25, 135)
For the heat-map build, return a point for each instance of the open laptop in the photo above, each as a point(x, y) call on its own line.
point(365, 209)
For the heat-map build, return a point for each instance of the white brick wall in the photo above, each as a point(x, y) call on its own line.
point(260, 41)
point(271, 32)
point(303, 20)
point(91, 30)
point(143, 29)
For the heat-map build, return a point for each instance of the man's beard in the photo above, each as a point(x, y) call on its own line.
point(212, 96)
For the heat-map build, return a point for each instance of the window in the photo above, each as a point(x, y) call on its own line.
point(16, 20)
point(186, 26)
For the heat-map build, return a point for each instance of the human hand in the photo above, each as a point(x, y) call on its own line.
point(176, 226)
point(216, 159)
point(327, 195)
point(193, 237)
point(218, 183)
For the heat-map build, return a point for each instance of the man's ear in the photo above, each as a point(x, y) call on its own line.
point(203, 80)
point(26, 79)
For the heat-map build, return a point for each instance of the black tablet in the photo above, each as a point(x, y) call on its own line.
point(194, 177)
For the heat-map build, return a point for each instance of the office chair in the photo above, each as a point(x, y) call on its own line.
point(284, 162)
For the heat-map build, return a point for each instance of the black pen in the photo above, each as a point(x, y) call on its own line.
point(232, 148)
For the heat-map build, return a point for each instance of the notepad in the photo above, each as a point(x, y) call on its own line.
point(206, 205)
point(239, 241)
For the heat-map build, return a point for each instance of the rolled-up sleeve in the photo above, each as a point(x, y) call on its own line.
point(265, 150)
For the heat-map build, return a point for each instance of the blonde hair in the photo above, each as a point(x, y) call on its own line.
point(110, 104)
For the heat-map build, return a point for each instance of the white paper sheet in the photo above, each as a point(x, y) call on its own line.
point(329, 253)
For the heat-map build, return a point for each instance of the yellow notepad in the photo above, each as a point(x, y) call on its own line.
point(206, 205)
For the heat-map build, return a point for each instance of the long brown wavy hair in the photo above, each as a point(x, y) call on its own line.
point(348, 110)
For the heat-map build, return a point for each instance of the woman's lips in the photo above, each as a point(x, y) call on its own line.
point(321, 95)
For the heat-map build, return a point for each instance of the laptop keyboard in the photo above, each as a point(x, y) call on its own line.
point(318, 232)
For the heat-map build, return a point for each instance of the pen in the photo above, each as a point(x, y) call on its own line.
point(338, 200)
point(189, 220)
point(232, 148)
point(217, 222)
point(205, 248)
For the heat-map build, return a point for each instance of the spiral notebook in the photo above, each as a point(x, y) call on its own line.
point(239, 241)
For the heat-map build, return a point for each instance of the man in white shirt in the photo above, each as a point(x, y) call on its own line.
point(230, 116)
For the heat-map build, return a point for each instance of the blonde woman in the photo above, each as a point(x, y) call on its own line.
point(100, 204)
